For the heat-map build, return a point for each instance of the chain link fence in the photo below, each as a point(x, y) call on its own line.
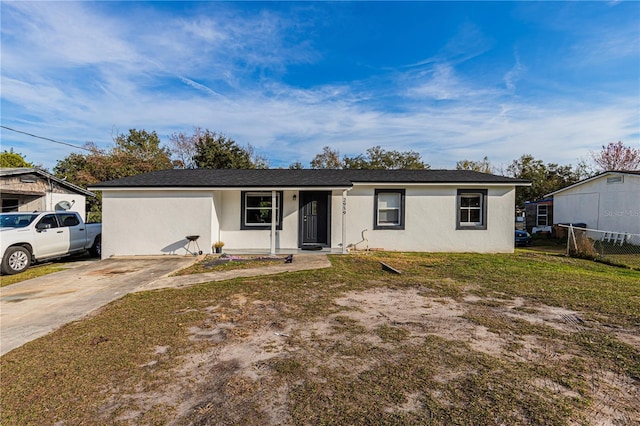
point(619, 248)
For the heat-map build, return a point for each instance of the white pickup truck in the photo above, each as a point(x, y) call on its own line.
point(31, 237)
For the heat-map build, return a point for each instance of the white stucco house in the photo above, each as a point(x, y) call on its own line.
point(27, 189)
point(609, 201)
point(278, 210)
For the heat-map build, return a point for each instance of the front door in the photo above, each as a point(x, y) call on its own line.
point(314, 217)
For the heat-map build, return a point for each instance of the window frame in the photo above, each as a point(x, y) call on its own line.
point(49, 215)
point(10, 205)
point(261, 226)
point(545, 215)
point(61, 219)
point(401, 208)
point(482, 225)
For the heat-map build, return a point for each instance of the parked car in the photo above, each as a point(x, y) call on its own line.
point(522, 238)
point(31, 237)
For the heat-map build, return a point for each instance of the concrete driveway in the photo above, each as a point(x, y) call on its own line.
point(33, 308)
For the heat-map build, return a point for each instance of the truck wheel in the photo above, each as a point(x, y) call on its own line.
point(16, 259)
point(96, 248)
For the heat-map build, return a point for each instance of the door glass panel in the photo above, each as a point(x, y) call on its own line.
point(50, 220)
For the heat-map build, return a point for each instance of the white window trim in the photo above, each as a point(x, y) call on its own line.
point(482, 194)
point(545, 215)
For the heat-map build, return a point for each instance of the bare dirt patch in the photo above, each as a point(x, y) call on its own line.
point(252, 362)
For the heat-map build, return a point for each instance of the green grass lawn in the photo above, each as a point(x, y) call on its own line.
point(40, 269)
point(526, 338)
point(33, 272)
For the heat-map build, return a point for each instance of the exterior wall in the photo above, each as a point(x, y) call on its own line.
point(235, 238)
point(78, 202)
point(156, 222)
point(430, 221)
point(600, 205)
point(36, 193)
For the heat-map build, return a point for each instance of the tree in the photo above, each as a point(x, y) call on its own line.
point(140, 152)
point(296, 166)
point(134, 153)
point(183, 148)
point(13, 159)
point(544, 178)
point(215, 151)
point(483, 166)
point(328, 159)
point(375, 158)
point(379, 158)
point(259, 161)
point(616, 156)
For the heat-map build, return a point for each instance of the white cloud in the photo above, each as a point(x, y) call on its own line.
point(80, 83)
point(513, 75)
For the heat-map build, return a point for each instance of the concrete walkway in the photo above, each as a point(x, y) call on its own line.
point(33, 308)
point(301, 262)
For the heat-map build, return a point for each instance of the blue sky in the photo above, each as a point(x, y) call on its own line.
point(451, 80)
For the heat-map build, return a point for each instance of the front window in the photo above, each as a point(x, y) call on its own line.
point(472, 209)
point(389, 210)
point(543, 215)
point(257, 210)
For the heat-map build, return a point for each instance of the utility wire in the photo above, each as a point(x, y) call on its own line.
point(47, 139)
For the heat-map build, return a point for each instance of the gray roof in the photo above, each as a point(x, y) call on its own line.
point(20, 171)
point(286, 178)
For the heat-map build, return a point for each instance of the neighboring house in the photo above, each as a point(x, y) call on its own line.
point(28, 189)
point(609, 201)
point(282, 210)
point(539, 215)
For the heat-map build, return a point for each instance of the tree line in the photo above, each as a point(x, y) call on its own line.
point(140, 151)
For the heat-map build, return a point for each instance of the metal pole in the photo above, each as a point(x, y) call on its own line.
point(573, 236)
point(274, 217)
point(344, 221)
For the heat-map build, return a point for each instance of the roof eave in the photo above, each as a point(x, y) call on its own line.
point(25, 170)
point(219, 188)
point(599, 175)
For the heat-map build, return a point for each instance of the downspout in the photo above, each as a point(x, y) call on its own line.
point(344, 220)
point(274, 213)
point(50, 195)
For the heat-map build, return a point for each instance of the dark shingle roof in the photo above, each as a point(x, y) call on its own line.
point(283, 178)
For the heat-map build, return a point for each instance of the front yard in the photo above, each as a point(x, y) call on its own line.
point(461, 339)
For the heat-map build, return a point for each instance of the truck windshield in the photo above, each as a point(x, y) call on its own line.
point(16, 220)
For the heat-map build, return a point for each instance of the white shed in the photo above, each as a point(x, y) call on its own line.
point(609, 202)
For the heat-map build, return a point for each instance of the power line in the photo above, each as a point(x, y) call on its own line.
point(47, 139)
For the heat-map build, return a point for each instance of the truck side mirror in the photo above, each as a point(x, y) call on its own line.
point(42, 226)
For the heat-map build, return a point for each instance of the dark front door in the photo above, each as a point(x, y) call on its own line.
point(314, 217)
